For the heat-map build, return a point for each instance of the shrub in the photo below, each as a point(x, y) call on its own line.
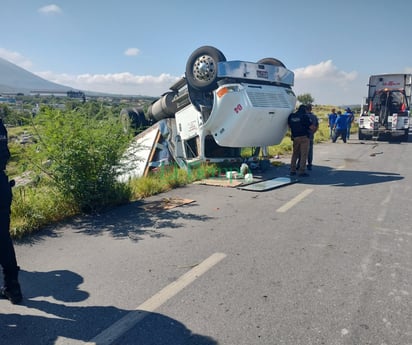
point(78, 153)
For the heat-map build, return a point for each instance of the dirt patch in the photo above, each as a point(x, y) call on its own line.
point(165, 204)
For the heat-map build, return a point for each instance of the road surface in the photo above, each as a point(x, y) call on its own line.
point(327, 260)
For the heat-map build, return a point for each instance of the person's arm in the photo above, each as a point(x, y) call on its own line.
point(4, 149)
point(316, 124)
point(309, 124)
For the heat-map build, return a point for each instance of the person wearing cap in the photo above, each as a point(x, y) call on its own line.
point(351, 118)
point(11, 288)
point(300, 126)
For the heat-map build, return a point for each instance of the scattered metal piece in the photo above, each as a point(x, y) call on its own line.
point(269, 184)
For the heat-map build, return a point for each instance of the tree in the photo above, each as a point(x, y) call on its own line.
point(306, 98)
point(4, 111)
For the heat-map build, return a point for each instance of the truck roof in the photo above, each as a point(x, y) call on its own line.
point(396, 81)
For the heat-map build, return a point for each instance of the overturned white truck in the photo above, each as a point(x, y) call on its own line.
point(219, 107)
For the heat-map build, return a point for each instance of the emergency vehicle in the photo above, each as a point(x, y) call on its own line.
point(385, 112)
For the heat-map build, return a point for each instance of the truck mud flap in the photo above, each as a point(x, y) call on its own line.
point(269, 184)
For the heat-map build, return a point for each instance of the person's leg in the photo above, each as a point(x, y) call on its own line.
point(310, 155)
point(335, 135)
point(295, 155)
point(304, 148)
point(344, 135)
point(11, 289)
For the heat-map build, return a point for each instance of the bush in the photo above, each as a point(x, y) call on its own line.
point(78, 153)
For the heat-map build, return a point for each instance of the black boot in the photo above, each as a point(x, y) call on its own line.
point(11, 289)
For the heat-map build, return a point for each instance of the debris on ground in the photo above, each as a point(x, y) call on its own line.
point(165, 204)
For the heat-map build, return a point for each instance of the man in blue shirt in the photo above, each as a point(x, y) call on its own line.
point(351, 118)
point(332, 118)
point(340, 127)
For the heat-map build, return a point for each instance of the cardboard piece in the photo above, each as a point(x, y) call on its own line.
point(165, 204)
point(220, 182)
point(140, 153)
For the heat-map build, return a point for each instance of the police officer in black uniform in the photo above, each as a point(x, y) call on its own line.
point(11, 288)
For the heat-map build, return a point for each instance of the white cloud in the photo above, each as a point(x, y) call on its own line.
point(324, 81)
point(15, 58)
point(327, 84)
point(132, 52)
point(325, 70)
point(50, 9)
point(115, 83)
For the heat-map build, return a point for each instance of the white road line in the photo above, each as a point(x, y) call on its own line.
point(382, 213)
point(294, 201)
point(109, 335)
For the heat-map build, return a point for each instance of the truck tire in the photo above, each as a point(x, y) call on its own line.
point(405, 137)
point(201, 68)
point(133, 119)
point(361, 136)
point(271, 61)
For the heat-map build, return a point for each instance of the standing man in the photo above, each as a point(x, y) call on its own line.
point(315, 126)
point(331, 121)
point(340, 127)
point(351, 118)
point(11, 288)
point(300, 126)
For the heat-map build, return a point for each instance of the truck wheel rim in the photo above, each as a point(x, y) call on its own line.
point(204, 68)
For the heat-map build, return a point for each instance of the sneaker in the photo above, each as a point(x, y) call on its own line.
point(309, 167)
point(292, 173)
point(303, 175)
point(12, 292)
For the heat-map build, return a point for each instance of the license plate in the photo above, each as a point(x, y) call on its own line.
point(262, 74)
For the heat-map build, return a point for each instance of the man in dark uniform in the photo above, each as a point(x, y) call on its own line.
point(315, 122)
point(300, 126)
point(11, 288)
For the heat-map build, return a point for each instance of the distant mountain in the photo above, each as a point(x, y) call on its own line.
point(14, 79)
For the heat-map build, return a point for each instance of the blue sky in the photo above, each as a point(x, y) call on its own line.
point(141, 47)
